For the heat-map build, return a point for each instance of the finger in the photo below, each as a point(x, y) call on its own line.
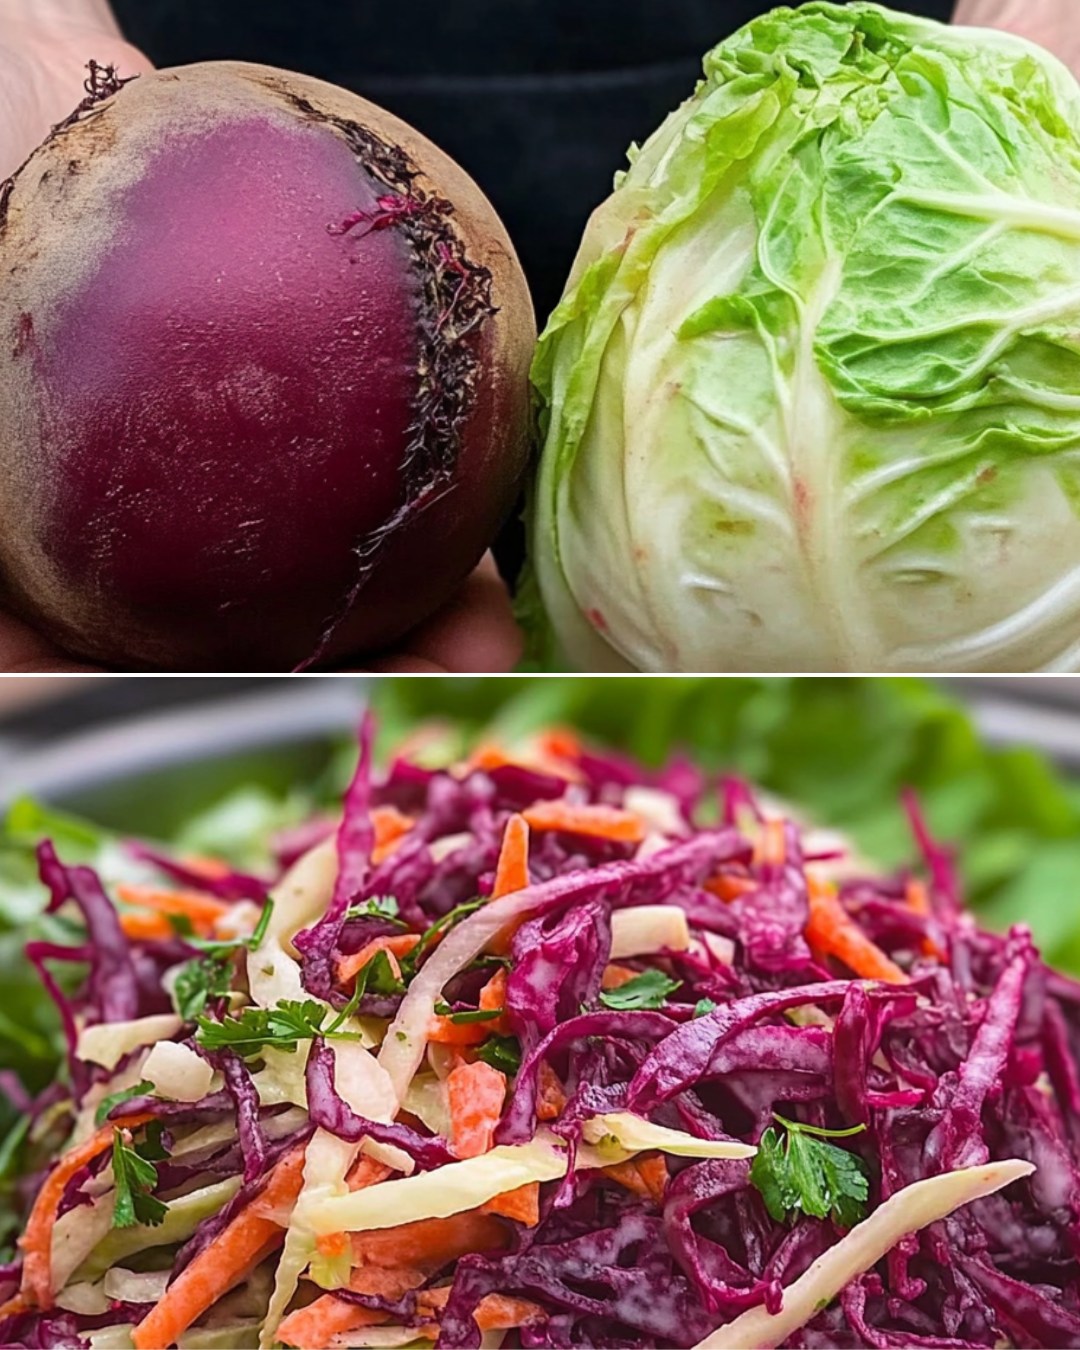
point(24, 652)
point(475, 631)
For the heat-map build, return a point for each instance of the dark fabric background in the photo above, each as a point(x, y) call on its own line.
point(538, 99)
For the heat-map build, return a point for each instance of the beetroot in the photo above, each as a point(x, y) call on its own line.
point(263, 374)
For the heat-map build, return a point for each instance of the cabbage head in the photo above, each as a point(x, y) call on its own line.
point(811, 399)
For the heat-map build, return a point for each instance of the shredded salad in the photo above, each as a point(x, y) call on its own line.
point(545, 1049)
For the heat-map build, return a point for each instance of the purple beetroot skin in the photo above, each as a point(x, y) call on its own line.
point(263, 375)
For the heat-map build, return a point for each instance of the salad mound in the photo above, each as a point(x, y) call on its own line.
point(544, 1049)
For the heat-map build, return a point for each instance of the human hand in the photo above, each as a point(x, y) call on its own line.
point(45, 46)
point(1051, 23)
point(44, 49)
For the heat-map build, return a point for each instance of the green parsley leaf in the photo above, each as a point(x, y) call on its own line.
point(647, 990)
point(703, 1006)
point(198, 982)
point(255, 1028)
point(115, 1098)
point(383, 905)
point(801, 1170)
point(210, 976)
point(135, 1178)
point(468, 1014)
point(377, 977)
point(411, 961)
point(502, 1053)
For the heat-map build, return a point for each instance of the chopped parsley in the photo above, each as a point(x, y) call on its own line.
point(281, 1027)
point(208, 977)
point(502, 1053)
point(468, 1014)
point(800, 1170)
point(135, 1176)
point(115, 1098)
point(647, 990)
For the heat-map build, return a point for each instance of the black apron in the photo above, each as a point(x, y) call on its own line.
point(537, 99)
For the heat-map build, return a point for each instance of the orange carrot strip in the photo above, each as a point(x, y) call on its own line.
point(512, 873)
point(36, 1241)
point(522, 1204)
point(390, 826)
point(146, 927)
point(615, 975)
point(646, 1176)
point(653, 1170)
point(559, 743)
point(918, 899)
point(312, 1327)
point(831, 932)
point(233, 1254)
point(771, 846)
point(551, 1097)
point(475, 1094)
point(203, 910)
point(494, 1312)
point(394, 945)
point(367, 1171)
point(493, 995)
point(601, 822)
point(430, 1243)
point(729, 887)
point(210, 868)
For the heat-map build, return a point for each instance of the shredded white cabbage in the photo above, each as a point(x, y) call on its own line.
point(658, 810)
point(108, 1042)
point(365, 1086)
point(908, 1211)
point(447, 1190)
point(117, 1244)
point(646, 929)
point(89, 1300)
point(635, 1134)
point(464, 1185)
point(135, 1286)
point(177, 1072)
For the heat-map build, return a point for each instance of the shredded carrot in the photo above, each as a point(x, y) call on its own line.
point(202, 910)
point(210, 868)
point(390, 826)
point(230, 1258)
point(13, 1307)
point(512, 873)
point(601, 822)
point(475, 1094)
point(367, 1171)
point(559, 743)
point(522, 1204)
point(494, 1312)
point(646, 1176)
point(36, 1241)
point(832, 932)
point(312, 1327)
point(394, 945)
point(444, 1031)
point(918, 899)
point(551, 1097)
point(615, 975)
point(430, 1243)
point(771, 845)
point(332, 1244)
point(146, 927)
point(729, 887)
